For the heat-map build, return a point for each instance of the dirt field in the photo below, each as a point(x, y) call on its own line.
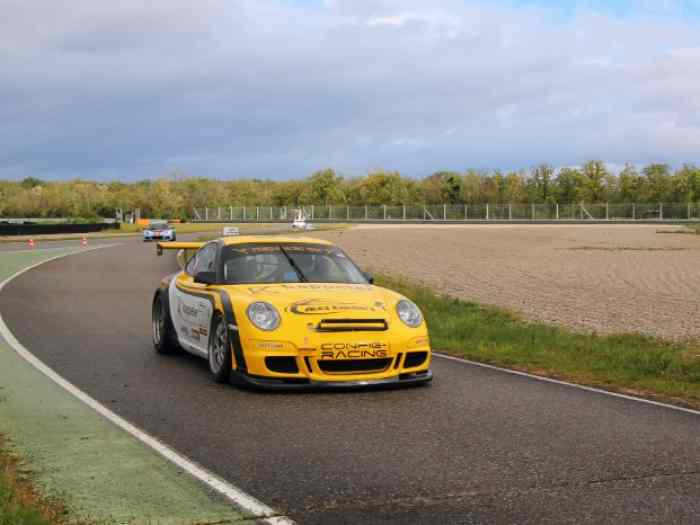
point(604, 279)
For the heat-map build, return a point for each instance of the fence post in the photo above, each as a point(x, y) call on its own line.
point(533, 211)
point(347, 212)
point(487, 211)
point(404, 211)
point(466, 215)
point(206, 214)
point(661, 211)
point(244, 213)
point(444, 212)
point(510, 212)
point(330, 212)
point(384, 205)
point(557, 210)
point(607, 211)
point(634, 211)
point(257, 213)
point(688, 211)
point(312, 212)
point(366, 213)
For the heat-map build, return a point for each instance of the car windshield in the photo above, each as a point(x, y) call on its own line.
point(288, 263)
point(158, 225)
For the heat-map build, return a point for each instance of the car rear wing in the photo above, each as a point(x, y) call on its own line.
point(177, 246)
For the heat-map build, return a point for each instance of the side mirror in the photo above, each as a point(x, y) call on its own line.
point(205, 278)
point(369, 277)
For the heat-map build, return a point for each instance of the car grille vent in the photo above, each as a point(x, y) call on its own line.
point(354, 366)
point(282, 364)
point(414, 359)
point(352, 325)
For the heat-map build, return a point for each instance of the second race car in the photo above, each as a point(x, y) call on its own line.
point(159, 230)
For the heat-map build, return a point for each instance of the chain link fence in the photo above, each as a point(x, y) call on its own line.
point(581, 212)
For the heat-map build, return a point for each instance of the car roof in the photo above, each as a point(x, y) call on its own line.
point(293, 239)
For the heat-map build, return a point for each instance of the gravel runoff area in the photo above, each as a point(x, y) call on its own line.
point(591, 278)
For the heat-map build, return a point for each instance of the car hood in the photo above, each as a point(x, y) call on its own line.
point(312, 299)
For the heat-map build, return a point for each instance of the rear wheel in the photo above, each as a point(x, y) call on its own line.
point(219, 351)
point(164, 339)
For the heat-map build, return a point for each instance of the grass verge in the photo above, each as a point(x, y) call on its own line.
point(629, 363)
point(20, 503)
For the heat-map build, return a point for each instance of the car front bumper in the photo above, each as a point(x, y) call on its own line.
point(268, 383)
point(158, 237)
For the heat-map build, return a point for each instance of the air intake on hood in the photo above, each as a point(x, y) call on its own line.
point(352, 325)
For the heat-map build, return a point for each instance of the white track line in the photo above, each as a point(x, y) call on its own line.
point(240, 499)
point(571, 385)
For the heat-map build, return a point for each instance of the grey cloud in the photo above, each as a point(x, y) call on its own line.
point(259, 88)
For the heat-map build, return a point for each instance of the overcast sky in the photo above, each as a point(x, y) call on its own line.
point(277, 89)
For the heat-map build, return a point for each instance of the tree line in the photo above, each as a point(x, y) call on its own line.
point(175, 196)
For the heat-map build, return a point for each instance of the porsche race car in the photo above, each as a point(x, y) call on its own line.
point(288, 312)
point(158, 230)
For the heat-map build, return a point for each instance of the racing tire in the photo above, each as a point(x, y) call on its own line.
point(164, 338)
point(219, 354)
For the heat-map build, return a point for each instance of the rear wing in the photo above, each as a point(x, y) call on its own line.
point(177, 246)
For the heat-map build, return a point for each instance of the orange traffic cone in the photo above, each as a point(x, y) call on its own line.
point(83, 242)
point(31, 243)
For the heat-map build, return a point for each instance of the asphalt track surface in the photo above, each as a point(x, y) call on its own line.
point(477, 446)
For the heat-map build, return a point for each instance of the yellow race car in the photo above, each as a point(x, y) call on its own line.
point(288, 312)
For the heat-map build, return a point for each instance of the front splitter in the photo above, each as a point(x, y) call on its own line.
point(265, 383)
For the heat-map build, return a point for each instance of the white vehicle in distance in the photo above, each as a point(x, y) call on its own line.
point(158, 230)
point(299, 222)
point(230, 231)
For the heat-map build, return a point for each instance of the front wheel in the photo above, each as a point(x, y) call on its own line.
point(219, 351)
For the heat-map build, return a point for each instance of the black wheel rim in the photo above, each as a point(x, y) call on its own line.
point(218, 348)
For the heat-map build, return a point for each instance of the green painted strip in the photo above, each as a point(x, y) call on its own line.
point(100, 472)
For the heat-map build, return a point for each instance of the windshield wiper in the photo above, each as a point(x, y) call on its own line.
point(296, 268)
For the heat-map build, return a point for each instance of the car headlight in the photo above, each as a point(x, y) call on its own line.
point(409, 313)
point(263, 315)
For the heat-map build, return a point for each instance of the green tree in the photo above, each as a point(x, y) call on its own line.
point(324, 187)
point(628, 185)
point(657, 185)
point(594, 182)
point(382, 187)
point(540, 184)
point(471, 187)
point(568, 184)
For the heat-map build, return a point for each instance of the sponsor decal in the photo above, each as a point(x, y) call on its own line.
point(354, 350)
point(322, 306)
point(189, 310)
point(269, 345)
point(196, 333)
point(295, 287)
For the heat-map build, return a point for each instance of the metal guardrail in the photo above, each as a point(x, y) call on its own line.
point(565, 213)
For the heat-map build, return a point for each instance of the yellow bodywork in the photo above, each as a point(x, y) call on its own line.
point(333, 332)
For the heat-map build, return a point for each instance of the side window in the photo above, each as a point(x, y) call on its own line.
point(190, 266)
point(206, 259)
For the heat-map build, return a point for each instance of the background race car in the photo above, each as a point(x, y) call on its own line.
point(158, 230)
